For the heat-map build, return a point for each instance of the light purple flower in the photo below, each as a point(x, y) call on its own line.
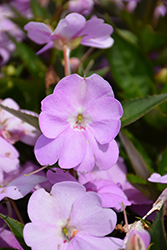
point(155, 177)
point(7, 239)
point(84, 7)
point(71, 31)
point(109, 192)
point(14, 129)
point(79, 122)
point(69, 218)
point(16, 186)
point(8, 157)
point(7, 27)
point(137, 237)
point(116, 174)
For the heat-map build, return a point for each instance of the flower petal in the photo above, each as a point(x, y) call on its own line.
point(47, 151)
point(38, 32)
point(91, 218)
point(83, 92)
point(73, 150)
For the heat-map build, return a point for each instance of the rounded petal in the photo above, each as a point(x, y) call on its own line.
point(155, 177)
point(91, 218)
point(73, 150)
point(47, 151)
point(59, 203)
point(70, 26)
point(105, 114)
point(41, 236)
point(38, 32)
point(55, 112)
point(98, 38)
point(88, 242)
point(83, 92)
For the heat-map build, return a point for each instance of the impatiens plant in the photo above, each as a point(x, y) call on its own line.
point(79, 122)
point(83, 155)
point(76, 220)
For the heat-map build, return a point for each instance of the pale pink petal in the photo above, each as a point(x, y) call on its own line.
point(41, 236)
point(73, 150)
point(70, 26)
point(38, 32)
point(49, 45)
point(90, 217)
point(105, 113)
point(59, 176)
point(106, 155)
point(47, 151)
point(155, 177)
point(7, 239)
point(84, 92)
point(87, 242)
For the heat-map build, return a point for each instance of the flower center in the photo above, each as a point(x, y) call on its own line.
point(69, 233)
point(79, 119)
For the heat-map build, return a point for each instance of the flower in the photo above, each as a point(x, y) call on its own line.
point(83, 7)
point(69, 218)
point(8, 157)
point(13, 129)
point(137, 237)
point(17, 185)
point(155, 177)
point(8, 240)
point(71, 31)
point(79, 122)
point(118, 170)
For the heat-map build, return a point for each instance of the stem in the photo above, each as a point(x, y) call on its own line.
point(16, 211)
point(66, 54)
point(125, 217)
point(85, 56)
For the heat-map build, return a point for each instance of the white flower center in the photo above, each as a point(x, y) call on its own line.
point(79, 119)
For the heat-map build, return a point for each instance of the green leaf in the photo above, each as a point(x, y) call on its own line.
point(163, 164)
point(32, 120)
point(157, 232)
point(138, 107)
point(152, 40)
point(130, 68)
point(135, 179)
point(139, 159)
point(17, 229)
point(33, 64)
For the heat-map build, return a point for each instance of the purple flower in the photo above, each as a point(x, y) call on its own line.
point(117, 175)
point(137, 237)
point(84, 7)
point(16, 186)
point(8, 157)
point(13, 129)
point(71, 31)
point(79, 122)
point(69, 218)
point(7, 239)
point(155, 177)
point(109, 192)
point(7, 27)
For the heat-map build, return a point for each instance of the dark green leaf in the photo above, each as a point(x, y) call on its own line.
point(135, 179)
point(137, 155)
point(33, 64)
point(138, 107)
point(17, 229)
point(130, 68)
point(163, 164)
point(157, 233)
point(32, 120)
